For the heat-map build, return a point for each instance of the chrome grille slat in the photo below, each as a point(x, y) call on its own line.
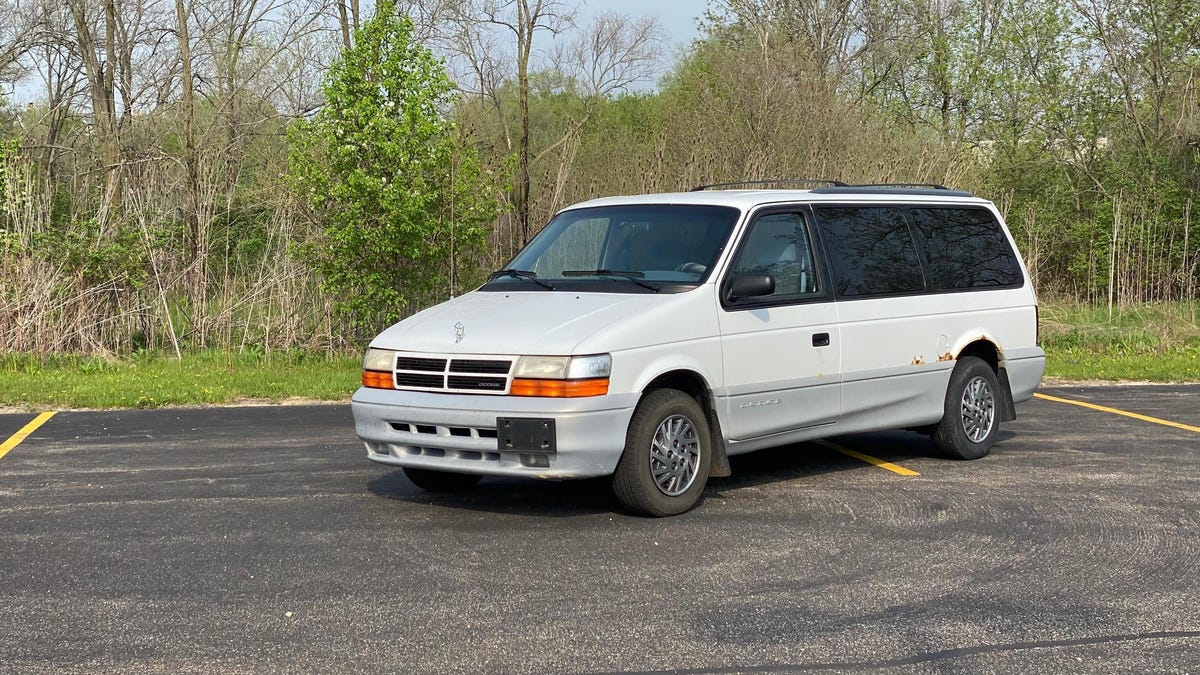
point(420, 380)
point(420, 364)
point(480, 366)
point(477, 383)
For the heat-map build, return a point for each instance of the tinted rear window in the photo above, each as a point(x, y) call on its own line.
point(871, 250)
point(966, 248)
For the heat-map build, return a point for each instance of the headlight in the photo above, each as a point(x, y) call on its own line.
point(561, 376)
point(563, 367)
point(379, 359)
point(542, 367)
point(377, 369)
point(583, 367)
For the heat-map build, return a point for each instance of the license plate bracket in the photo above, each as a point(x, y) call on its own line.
point(527, 435)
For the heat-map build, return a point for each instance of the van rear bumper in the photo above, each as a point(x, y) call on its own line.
point(457, 432)
point(1025, 368)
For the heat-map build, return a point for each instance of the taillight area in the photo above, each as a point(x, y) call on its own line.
point(559, 388)
point(376, 379)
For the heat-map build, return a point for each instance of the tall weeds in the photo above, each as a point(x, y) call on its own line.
point(68, 284)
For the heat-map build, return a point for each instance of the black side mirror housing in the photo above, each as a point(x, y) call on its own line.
point(751, 285)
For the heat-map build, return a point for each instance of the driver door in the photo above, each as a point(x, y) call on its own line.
point(781, 351)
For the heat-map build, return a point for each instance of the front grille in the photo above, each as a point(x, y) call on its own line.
point(477, 383)
point(420, 380)
point(425, 365)
point(442, 373)
point(472, 366)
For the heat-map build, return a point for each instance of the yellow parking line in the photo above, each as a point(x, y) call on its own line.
point(1136, 416)
point(15, 440)
point(894, 468)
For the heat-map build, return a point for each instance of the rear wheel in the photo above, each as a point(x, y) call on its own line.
point(441, 481)
point(667, 455)
point(969, 423)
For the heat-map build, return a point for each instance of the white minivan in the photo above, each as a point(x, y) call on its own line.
point(651, 337)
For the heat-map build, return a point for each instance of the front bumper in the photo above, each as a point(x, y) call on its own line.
point(457, 432)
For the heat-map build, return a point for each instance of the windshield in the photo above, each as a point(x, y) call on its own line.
point(636, 249)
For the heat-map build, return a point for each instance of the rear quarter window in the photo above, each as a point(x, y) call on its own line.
point(965, 248)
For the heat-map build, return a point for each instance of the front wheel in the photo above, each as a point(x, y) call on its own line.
point(441, 481)
point(667, 455)
point(969, 422)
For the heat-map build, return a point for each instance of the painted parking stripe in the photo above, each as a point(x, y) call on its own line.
point(894, 468)
point(15, 440)
point(1125, 413)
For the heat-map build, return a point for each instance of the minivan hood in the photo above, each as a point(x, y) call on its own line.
point(532, 322)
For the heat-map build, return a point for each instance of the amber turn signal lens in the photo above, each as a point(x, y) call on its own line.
point(559, 388)
point(377, 380)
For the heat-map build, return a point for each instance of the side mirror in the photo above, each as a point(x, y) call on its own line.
point(751, 285)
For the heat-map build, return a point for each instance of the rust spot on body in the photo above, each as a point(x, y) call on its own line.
point(946, 357)
point(918, 360)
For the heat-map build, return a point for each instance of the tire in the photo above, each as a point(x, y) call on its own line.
point(971, 418)
point(670, 480)
point(441, 481)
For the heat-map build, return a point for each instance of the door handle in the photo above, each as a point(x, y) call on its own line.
point(820, 339)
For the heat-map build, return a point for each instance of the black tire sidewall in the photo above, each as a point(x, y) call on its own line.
point(632, 482)
point(949, 435)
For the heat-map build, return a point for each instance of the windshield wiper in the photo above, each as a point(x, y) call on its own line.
point(635, 277)
point(520, 274)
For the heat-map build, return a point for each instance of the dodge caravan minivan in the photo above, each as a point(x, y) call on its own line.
point(651, 337)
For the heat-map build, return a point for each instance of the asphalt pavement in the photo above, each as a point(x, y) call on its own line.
point(260, 539)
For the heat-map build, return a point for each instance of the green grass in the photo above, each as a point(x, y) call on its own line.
point(151, 380)
point(1156, 343)
point(1152, 342)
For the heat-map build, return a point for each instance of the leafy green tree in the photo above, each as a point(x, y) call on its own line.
point(402, 197)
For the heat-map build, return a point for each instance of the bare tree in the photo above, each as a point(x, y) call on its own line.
point(195, 223)
point(523, 20)
point(496, 45)
point(612, 54)
point(349, 19)
point(98, 49)
point(18, 35)
point(601, 60)
point(827, 33)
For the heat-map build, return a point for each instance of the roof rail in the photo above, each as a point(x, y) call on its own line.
point(894, 189)
point(776, 181)
point(931, 186)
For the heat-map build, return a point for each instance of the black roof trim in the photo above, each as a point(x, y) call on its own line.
point(931, 186)
point(776, 181)
point(894, 189)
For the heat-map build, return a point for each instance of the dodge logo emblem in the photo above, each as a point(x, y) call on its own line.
point(459, 331)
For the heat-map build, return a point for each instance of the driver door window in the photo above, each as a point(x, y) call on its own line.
point(778, 245)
